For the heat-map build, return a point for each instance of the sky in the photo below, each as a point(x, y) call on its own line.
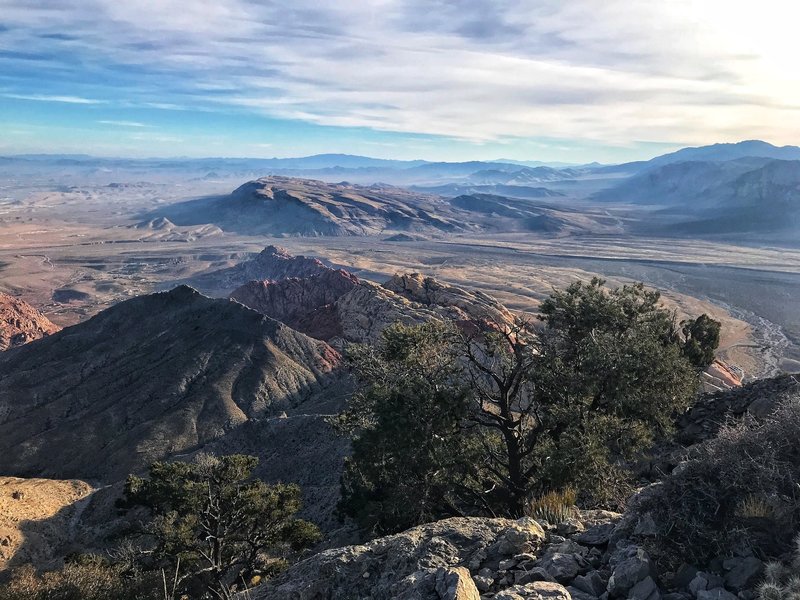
point(552, 80)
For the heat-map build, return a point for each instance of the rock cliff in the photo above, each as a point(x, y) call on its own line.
point(21, 323)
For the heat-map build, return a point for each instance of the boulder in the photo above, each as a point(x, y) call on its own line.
point(538, 590)
point(455, 584)
point(646, 589)
point(716, 594)
point(742, 573)
point(629, 571)
point(562, 567)
point(524, 535)
point(415, 564)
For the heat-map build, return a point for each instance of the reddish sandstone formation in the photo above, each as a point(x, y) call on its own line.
point(20, 323)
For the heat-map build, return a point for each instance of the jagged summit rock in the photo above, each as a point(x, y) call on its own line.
point(338, 307)
point(150, 378)
point(21, 323)
point(271, 264)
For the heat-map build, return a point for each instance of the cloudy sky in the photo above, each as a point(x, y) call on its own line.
point(573, 81)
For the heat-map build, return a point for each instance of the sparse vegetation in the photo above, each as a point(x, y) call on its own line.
point(213, 525)
point(482, 423)
point(89, 578)
point(782, 582)
point(740, 489)
point(554, 507)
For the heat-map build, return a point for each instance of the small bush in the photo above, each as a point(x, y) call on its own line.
point(554, 507)
point(741, 488)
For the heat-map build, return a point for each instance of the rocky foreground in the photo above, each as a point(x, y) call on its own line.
point(594, 555)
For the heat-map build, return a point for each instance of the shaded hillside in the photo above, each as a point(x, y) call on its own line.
point(286, 206)
point(146, 379)
point(20, 323)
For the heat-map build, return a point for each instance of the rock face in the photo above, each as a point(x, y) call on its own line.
point(295, 301)
point(419, 564)
point(20, 323)
point(273, 263)
point(469, 306)
point(289, 206)
point(147, 379)
point(758, 399)
point(337, 307)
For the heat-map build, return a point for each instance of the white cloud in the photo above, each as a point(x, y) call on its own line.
point(56, 98)
point(124, 123)
point(611, 70)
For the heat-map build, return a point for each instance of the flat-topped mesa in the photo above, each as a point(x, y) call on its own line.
point(21, 323)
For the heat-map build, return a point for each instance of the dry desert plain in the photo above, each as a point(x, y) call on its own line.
point(72, 250)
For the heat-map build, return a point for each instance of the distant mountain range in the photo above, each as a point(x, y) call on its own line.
point(743, 195)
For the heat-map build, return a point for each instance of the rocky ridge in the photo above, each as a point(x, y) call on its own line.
point(147, 379)
point(337, 307)
point(21, 323)
point(271, 264)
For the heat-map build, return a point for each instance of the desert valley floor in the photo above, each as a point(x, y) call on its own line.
point(72, 253)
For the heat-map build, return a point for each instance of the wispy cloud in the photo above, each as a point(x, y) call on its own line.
point(56, 98)
point(613, 70)
point(124, 123)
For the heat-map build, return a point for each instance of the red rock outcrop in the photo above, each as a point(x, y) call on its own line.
point(20, 323)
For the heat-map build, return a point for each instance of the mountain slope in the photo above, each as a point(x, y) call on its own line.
point(146, 379)
point(21, 323)
point(287, 206)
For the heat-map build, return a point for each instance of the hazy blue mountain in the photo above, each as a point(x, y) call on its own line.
point(746, 195)
point(712, 153)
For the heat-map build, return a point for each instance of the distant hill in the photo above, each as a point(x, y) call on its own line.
point(303, 207)
point(271, 264)
point(151, 378)
point(497, 189)
point(287, 206)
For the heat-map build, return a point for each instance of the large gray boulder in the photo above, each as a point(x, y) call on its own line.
point(421, 563)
